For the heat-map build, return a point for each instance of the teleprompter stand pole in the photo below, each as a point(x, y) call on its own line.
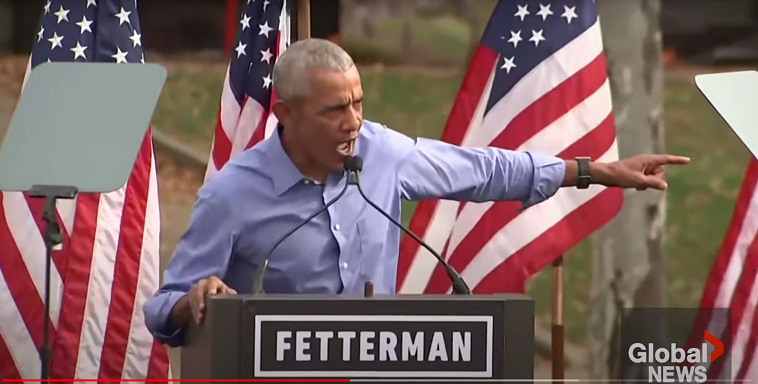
point(53, 238)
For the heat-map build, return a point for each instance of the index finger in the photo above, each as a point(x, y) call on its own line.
point(215, 286)
point(229, 290)
point(670, 159)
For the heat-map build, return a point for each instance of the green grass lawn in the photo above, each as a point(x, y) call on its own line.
point(440, 37)
point(417, 102)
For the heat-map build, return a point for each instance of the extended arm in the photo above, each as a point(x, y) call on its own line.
point(434, 169)
point(203, 251)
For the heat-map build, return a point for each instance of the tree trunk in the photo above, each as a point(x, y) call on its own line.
point(406, 37)
point(628, 268)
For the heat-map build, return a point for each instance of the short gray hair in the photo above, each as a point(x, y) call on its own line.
point(290, 70)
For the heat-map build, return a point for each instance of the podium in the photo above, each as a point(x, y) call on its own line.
point(444, 337)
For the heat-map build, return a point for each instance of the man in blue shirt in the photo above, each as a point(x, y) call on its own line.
point(269, 189)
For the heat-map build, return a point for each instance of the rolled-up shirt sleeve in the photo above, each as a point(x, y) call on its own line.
point(435, 169)
point(203, 251)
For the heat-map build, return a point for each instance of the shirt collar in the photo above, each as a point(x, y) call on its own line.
point(281, 169)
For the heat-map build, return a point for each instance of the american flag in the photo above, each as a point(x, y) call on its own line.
point(732, 284)
point(244, 116)
point(109, 263)
point(537, 81)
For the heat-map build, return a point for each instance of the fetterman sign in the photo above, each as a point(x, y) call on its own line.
point(373, 346)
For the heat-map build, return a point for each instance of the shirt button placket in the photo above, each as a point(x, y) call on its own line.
point(343, 266)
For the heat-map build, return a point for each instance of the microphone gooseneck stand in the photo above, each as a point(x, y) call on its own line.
point(261, 272)
point(459, 285)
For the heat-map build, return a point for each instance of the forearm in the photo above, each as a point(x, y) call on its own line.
point(163, 316)
point(599, 172)
point(203, 251)
point(181, 313)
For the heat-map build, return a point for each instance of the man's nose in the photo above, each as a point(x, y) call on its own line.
point(351, 128)
point(353, 121)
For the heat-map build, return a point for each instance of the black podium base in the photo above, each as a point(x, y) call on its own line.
point(447, 338)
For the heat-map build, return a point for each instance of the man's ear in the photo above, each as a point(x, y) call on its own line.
point(282, 111)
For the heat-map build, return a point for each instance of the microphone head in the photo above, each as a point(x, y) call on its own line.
point(353, 164)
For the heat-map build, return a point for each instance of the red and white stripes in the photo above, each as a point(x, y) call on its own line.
point(107, 268)
point(732, 284)
point(562, 108)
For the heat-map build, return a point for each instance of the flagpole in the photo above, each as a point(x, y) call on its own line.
point(303, 19)
point(230, 27)
point(557, 333)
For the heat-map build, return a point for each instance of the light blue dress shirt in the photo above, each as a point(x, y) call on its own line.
point(259, 195)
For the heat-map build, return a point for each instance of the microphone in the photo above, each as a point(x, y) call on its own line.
point(354, 165)
point(261, 272)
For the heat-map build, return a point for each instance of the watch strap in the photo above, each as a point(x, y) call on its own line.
point(584, 179)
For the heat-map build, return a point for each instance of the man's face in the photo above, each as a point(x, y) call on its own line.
point(326, 122)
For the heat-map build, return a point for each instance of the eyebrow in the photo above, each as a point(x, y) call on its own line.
point(334, 107)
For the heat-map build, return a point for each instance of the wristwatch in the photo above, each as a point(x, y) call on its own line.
point(584, 179)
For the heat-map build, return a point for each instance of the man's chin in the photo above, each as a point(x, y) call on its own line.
point(339, 163)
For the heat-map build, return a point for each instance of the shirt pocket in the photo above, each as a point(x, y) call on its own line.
point(371, 250)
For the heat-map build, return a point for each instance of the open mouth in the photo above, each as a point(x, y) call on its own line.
point(345, 148)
